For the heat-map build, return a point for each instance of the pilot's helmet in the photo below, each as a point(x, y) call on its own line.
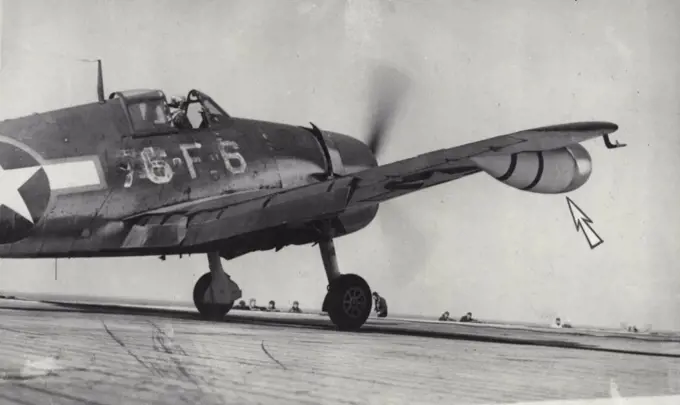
point(295, 303)
point(176, 101)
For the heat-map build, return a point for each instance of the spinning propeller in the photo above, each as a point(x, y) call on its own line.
point(388, 89)
point(404, 237)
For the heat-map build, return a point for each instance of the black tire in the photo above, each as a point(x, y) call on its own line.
point(349, 302)
point(213, 312)
point(324, 306)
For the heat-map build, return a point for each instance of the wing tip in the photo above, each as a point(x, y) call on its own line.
point(604, 127)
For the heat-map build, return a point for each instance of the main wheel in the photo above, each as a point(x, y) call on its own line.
point(214, 312)
point(348, 302)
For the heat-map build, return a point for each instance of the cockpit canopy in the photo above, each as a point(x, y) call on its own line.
point(148, 112)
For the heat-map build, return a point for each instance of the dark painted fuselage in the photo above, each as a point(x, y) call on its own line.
point(102, 172)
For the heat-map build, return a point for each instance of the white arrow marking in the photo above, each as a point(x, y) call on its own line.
point(583, 222)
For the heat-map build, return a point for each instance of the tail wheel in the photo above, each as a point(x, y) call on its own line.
point(348, 302)
point(208, 311)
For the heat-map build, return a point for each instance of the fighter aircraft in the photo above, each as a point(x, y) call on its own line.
point(115, 178)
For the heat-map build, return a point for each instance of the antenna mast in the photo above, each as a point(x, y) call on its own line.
point(100, 82)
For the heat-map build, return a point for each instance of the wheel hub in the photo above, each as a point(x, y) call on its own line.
point(353, 302)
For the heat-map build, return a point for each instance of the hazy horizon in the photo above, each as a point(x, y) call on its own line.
point(188, 304)
point(479, 69)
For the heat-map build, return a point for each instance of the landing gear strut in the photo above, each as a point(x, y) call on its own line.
point(348, 301)
point(215, 292)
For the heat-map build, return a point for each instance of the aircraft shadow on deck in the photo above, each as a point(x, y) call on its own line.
point(393, 328)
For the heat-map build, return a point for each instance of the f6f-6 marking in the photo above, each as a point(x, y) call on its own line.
point(158, 169)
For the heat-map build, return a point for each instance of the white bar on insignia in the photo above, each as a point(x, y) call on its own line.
point(73, 174)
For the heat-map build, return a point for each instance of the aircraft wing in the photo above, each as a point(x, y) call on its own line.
point(216, 219)
point(405, 176)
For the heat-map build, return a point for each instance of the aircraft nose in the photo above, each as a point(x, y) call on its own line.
point(356, 155)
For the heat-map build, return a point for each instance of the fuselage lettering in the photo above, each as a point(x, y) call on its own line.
point(129, 175)
point(230, 155)
point(157, 170)
point(186, 147)
point(154, 164)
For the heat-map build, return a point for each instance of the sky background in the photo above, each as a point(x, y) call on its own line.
point(479, 69)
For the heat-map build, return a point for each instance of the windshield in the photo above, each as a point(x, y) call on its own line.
point(214, 113)
point(149, 115)
point(210, 111)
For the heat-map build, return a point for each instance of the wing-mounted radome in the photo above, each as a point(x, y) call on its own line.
point(546, 172)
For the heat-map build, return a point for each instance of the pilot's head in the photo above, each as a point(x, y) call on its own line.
point(177, 101)
point(252, 302)
point(242, 303)
point(296, 304)
point(272, 304)
point(469, 314)
point(375, 294)
point(445, 314)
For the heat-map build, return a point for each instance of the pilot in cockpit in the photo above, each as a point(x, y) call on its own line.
point(178, 113)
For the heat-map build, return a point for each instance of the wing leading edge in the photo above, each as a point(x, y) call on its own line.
point(531, 156)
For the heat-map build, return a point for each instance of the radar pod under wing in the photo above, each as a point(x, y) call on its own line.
point(544, 160)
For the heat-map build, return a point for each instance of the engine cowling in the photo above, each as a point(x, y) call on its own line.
point(546, 172)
